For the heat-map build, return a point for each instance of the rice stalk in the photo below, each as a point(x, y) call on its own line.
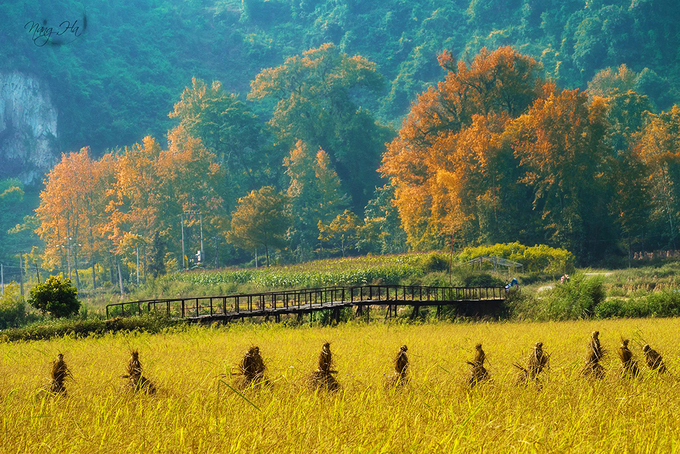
point(136, 380)
point(629, 367)
point(536, 363)
point(478, 373)
point(401, 365)
point(654, 359)
point(323, 377)
point(60, 372)
point(251, 369)
point(593, 368)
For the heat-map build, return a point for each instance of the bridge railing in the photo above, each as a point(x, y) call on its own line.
point(305, 299)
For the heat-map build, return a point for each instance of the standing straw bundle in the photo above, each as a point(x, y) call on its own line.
point(136, 381)
point(628, 364)
point(537, 361)
point(478, 373)
point(252, 368)
point(593, 368)
point(401, 363)
point(322, 377)
point(60, 373)
point(654, 359)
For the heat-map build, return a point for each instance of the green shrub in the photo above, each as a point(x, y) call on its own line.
point(88, 327)
point(576, 298)
point(482, 280)
point(538, 258)
point(434, 261)
point(12, 308)
point(55, 296)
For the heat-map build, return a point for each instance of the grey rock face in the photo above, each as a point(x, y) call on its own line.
point(28, 128)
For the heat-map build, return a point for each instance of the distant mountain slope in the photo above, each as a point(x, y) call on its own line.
point(118, 80)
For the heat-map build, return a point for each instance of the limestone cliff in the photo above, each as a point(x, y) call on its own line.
point(28, 128)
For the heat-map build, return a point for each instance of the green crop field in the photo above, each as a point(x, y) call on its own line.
point(198, 407)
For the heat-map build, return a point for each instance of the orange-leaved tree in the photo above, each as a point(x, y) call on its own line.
point(562, 147)
point(260, 220)
point(72, 209)
point(451, 171)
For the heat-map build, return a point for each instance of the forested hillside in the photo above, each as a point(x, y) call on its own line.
point(117, 82)
point(306, 95)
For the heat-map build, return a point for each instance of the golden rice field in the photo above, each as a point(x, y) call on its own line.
point(195, 412)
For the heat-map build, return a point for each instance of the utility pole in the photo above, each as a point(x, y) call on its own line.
point(21, 275)
point(200, 217)
point(2, 278)
point(137, 269)
point(68, 255)
point(183, 253)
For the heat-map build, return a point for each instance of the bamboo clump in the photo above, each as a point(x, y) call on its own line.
point(628, 364)
point(136, 381)
point(478, 373)
point(252, 368)
point(60, 372)
point(654, 359)
point(536, 363)
point(593, 368)
point(401, 365)
point(323, 376)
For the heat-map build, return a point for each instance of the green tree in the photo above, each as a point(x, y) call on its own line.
point(562, 147)
point(381, 230)
point(229, 129)
point(316, 103)
point(260, 221)
point(342, 232)
point(55, 296)
point(11, 200)
point(156, 266)
point(315, 194)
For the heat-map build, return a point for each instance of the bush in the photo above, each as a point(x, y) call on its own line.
point(89, 327)
point(57, 297)
point(12, 308)
point(434, 262)
point(656, 304)
point(482, 280)
point(577, 298)
point(538, 258)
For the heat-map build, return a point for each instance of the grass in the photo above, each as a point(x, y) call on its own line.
point(197, 408)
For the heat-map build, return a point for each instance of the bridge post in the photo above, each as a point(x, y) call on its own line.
point(439, 312)
point(416, 311)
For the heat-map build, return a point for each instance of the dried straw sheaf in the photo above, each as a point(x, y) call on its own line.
point(136, 381)
point(478, 373)
point(536, 363)
point(628, 364)
point(654, 359)
point(251, 369)
point(401, 363)
point(60, 373)
point(323, 376)
point(593, 368)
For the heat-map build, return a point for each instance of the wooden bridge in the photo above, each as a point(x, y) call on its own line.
point(468, 301)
